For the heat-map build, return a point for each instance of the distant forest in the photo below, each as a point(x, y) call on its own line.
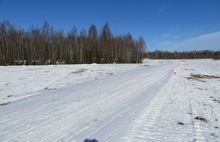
point(44, 45)
point(40, 46)
point(183, 55)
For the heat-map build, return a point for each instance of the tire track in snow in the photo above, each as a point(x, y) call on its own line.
point(65, 124)
point(68, 112)
point(199, 100)
point(148, 127)
point(120, 97)
point(117, 114)
point(41, 105)
point(123, 110)
point(145, 132)
point(197, 128)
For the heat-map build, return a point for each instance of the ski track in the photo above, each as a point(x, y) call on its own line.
point(138, 105)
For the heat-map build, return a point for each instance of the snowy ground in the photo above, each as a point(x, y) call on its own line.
point(116, 103)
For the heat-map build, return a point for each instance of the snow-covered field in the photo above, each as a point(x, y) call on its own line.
point(160, 100)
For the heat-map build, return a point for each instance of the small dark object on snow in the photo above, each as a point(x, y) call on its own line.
point(4, 104)
point(88, 140)
point(201, 119)
point(180, 123)
point(215, 100)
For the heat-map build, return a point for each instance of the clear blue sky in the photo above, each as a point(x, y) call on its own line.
point(180, 25)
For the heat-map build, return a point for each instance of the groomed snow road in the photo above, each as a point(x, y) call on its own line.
point(101, 109)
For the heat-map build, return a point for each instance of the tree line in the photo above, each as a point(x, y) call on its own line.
point(44, 45)
point(182, 55)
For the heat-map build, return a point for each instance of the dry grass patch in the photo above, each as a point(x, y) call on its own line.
point(201, 119)
point(145, 65)
point(3, 104)
point(47, 88)
point(79, 71)
point(202, 76)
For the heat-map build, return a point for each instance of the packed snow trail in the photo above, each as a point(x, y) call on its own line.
point(120, 103)
point(101, 109)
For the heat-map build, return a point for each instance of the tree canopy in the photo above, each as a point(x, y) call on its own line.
point(48, 46)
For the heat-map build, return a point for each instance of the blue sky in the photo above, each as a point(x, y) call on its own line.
point(181, 25)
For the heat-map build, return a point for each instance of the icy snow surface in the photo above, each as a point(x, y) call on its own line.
point(114, 103)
